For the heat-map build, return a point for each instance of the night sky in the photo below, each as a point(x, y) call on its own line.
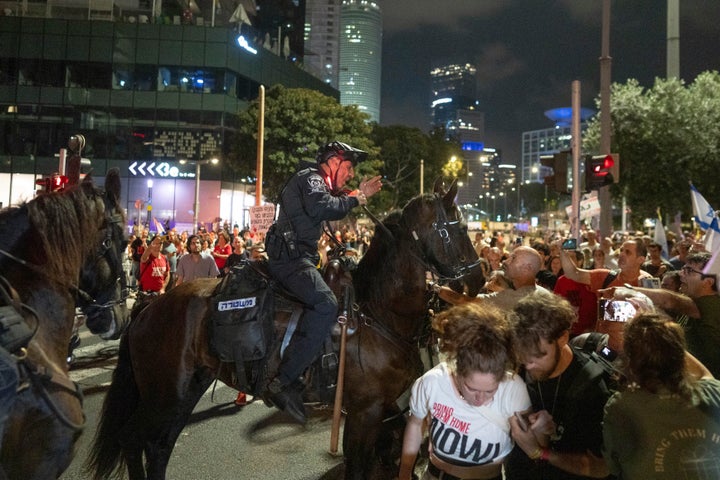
point(527, 53)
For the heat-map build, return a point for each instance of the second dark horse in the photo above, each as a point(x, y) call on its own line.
point(165, 363)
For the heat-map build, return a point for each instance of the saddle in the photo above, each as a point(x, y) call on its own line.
point(244, 334)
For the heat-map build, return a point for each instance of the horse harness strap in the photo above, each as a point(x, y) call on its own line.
point(391, 336)
point(41, 378)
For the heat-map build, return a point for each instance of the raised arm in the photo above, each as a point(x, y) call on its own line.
point(572, 272)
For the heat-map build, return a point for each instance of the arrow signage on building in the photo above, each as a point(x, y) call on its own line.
point(152, 169)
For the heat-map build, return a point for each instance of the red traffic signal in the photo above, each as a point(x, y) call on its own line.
point(598, 171)
point(53, 183)
point(57, 182)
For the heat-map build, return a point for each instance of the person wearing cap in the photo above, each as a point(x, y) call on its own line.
point(312, 196)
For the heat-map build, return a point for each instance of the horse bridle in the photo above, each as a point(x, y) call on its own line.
point(442, 227)
point(89, 305)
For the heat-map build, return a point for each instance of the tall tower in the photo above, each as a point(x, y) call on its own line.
point(322, 34)
point(454, 102)
point(361, 56)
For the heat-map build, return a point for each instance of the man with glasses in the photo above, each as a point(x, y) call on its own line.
point(699, 300)
point(194, 265)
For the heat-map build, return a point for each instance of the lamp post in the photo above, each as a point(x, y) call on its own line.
point(196, 205)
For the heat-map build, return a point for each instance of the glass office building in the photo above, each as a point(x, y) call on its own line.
point(361, 56)
point(145, 96)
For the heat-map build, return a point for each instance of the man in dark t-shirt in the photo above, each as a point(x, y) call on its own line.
point(563, 439)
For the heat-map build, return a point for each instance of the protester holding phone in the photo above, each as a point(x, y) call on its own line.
point(630, 258)
point(467, 399)
point(698, 299)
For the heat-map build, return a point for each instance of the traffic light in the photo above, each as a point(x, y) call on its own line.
point(558, 162)
point(53, 183)
point(57, 182)
point(43, 184)
point(598, 171)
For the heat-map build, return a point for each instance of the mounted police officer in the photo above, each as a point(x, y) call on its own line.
point(312, 196)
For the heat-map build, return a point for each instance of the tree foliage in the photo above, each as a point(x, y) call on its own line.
point(667, 136)
point(401, 151)
point(297, 122)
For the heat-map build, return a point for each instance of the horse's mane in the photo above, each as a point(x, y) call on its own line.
point(56, 231)
point(388, 256)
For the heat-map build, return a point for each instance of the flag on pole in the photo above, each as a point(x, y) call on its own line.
point(702, 211)
point(713, 266)
point(158, 226)
point(712, 237)
point(660, 237)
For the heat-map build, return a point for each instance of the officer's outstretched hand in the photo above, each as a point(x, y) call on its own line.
point(370, 187)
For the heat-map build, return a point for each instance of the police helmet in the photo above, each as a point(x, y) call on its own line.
point(342, 150)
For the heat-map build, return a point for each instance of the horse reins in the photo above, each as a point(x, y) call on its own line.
point(91, 307)
point(39, 376)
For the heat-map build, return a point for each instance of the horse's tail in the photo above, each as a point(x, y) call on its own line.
point(106, 459)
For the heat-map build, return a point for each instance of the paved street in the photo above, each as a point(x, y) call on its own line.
point(222, 441)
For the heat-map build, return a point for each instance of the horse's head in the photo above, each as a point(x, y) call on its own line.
point(102, 287)
point(441, 234)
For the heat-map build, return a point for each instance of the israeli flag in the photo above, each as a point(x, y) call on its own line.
point(712, 237)
point(702, 211)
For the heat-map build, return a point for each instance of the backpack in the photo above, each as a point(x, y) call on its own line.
point(596, 369)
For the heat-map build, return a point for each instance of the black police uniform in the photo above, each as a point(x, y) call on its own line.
point(291, 244)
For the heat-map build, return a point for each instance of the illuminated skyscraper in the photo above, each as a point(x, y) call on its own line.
point(454, 102)
point(322, 34)
point(361, 56)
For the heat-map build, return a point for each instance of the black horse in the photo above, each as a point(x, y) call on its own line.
point(59, 251)
point(166, 364)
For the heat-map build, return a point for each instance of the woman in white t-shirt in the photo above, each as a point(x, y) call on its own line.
point(466, 399)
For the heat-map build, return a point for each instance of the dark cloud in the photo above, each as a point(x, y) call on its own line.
point(528, 52)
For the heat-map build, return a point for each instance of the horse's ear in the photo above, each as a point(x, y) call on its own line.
point(439, 186)
point(112, 185)
point(449, 198)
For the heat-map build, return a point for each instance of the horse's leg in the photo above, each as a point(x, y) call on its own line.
point(390, 437)
point(361, 431)
point(158, 453)
point(134, 461)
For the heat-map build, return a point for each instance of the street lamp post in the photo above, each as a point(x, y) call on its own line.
point(196, 205)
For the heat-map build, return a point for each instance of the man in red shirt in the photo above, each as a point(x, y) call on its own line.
point(222, 250)
point(583, 300)
point(154, 271)
point(630, 258)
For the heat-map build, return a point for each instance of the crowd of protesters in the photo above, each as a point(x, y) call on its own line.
point(615, 393)
point(158, 272)
point(655, 415)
